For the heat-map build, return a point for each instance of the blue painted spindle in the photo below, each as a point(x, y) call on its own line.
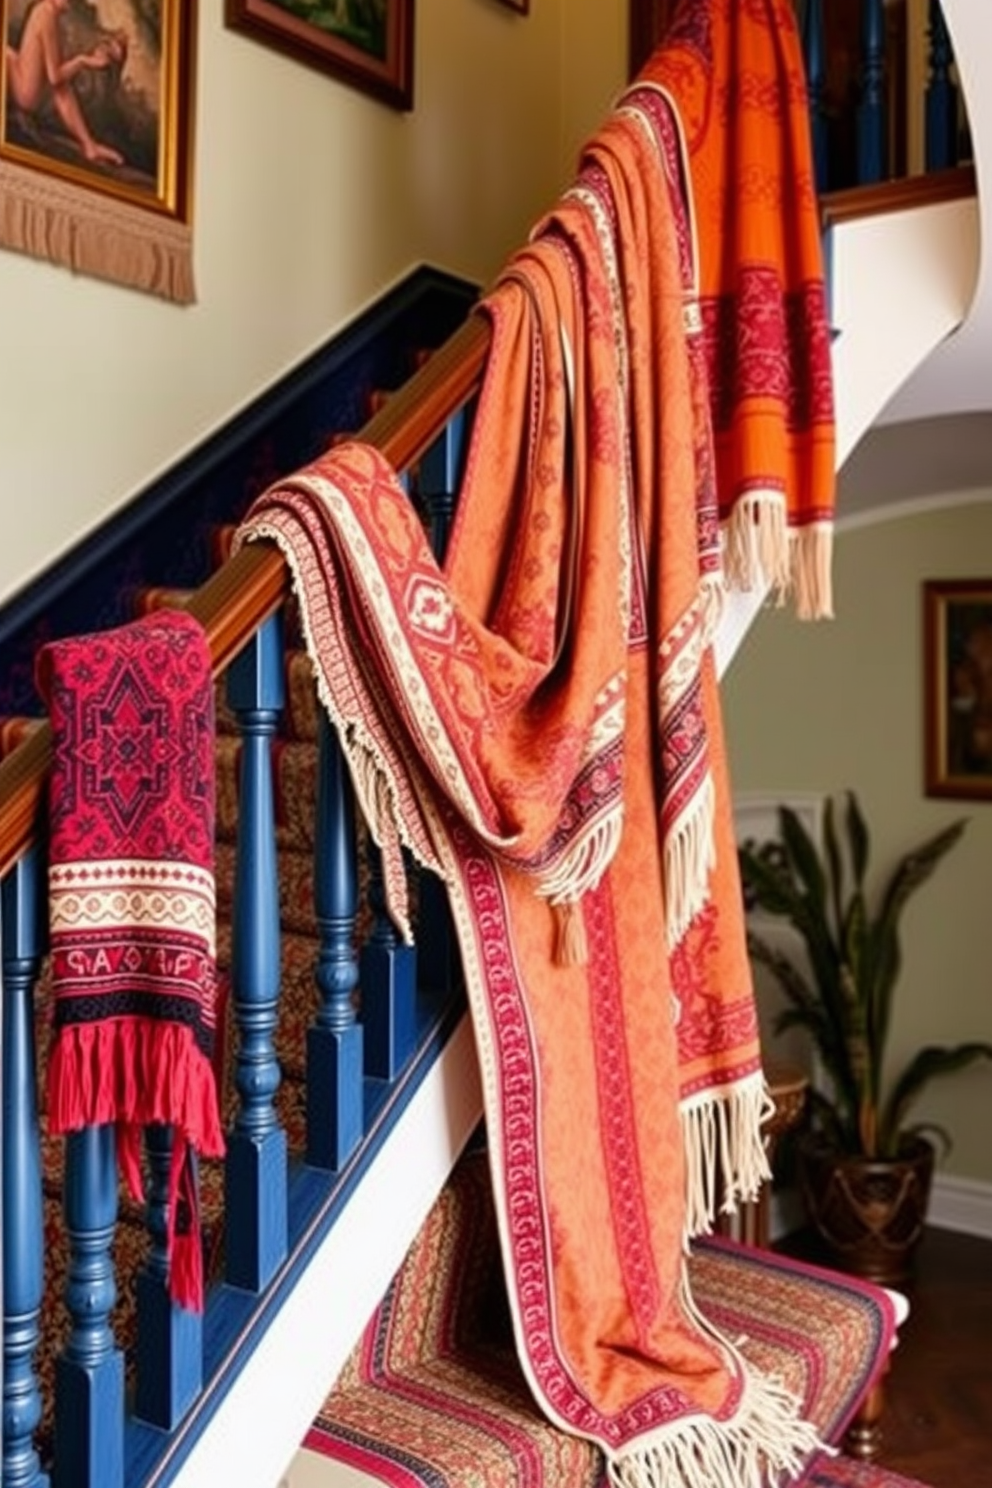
point(871, 109)
point(89, 1375)
point(389, 985)
point(440, 477)
point(170, 1339)
point(815, 54)
point(442, 469)
point(21, 900)
point(942, 96)
point(256, 1168)
point(335, 1043)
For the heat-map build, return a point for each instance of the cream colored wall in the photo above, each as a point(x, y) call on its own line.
point(820, 708)
point(310, 200)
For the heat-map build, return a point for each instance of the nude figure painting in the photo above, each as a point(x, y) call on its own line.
point(93, 91)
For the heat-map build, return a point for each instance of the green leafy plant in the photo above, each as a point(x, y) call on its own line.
point(844, 998)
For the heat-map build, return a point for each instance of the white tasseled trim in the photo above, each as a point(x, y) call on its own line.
point(760, 550)
point(690, 855)
point(765, 1438)
point(756, 541)
point(725, 1158)
point(812, 553)
point(582, 867)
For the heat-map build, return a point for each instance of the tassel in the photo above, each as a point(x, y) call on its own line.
point(571, 946)
point(183, 1244)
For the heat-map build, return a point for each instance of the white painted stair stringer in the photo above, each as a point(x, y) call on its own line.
point(257, 1428)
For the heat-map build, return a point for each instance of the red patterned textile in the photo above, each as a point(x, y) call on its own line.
point(131, 902)
point(844, 1472)
point(539, 723)
point(733, 71)
point(433, 1397)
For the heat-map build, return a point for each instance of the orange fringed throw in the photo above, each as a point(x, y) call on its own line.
point(733, 72)
point(539, 723)
point(131, 903)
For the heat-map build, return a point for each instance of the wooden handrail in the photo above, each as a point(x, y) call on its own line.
point(898, 195)
point(249, 587)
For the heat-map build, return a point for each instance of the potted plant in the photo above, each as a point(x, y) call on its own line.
point(864, 1168)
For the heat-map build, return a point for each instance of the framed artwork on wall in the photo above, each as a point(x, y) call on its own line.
point(957, 687)
point(367, 44)
point(96, 132)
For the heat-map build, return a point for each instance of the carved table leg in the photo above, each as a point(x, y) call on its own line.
point(863, 1438)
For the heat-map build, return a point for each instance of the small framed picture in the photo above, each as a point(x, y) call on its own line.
point(957, 687)
point(102, 98)
point(365, 43)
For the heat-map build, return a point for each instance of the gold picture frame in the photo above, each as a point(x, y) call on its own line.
point(957, 690)
point(119, 121)
point(370, 47)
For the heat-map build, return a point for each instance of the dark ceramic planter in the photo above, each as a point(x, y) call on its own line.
point(870, 1213)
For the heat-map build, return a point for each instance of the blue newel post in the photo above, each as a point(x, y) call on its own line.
point(335, 1040)
point(942, 96)
point(170, 1339)
point(256, 1216)
point(89, 1375)
point(871, 109)
point(21, 905)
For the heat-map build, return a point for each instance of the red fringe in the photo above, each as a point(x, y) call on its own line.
point(133, 1073)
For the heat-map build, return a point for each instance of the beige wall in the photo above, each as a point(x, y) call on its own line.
point(310, 200)
point(820, 708)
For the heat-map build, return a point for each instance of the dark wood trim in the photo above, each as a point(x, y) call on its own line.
point(647, 22)
point(897, 196)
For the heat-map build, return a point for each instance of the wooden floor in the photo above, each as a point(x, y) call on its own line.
point(938, 1421)
point(938, 1416)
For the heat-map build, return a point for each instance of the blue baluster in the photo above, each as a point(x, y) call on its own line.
point(815, 53)
point(440, 477)
point(256, 1168)
point(335, 1041)
point(871, 109)
point(170, 1338)
point(389, 985)
point(89, 1375)
point(21, 901)
point(942, 96)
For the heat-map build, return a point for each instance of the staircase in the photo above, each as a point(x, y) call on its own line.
point(273, 1340)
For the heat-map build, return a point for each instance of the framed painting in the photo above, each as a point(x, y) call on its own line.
point(365, 43)
point(117, 119)
point(957, 687)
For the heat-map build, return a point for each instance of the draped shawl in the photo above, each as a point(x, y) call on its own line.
point(132, 903)
point(538, 721)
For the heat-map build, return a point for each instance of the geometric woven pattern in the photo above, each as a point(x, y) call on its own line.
point(433, 1394)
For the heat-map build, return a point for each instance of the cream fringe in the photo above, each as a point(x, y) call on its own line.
point(93, 233)
point(766, 1438)
point(760, 549)
point(582, 867)
point(690, 854)
point(725, 1158)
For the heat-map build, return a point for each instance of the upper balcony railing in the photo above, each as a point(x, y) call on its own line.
point(885, 104)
